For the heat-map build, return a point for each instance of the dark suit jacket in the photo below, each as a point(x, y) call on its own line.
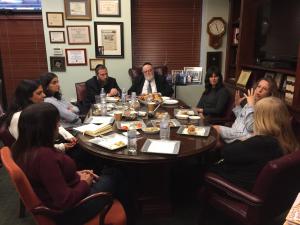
point(93, 87)
point(162, 85)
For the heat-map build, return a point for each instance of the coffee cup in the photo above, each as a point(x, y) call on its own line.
point(151, 106)
point(118, 115)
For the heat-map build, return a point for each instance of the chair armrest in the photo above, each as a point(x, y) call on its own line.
point(43, 210)
point(106, 195)
point(232, 190)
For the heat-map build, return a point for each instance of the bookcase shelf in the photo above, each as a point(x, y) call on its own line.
point(256, 67)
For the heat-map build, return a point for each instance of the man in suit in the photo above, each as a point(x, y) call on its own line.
point(150, 83)
point(99, 81)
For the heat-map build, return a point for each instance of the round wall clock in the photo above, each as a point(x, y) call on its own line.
point(216, 28)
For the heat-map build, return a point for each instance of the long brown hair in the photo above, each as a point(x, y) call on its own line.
point(271, 117)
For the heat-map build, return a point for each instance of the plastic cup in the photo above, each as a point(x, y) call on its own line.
point(118, 115)
point(151, 106)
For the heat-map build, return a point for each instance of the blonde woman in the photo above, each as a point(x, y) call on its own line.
point(273, 137)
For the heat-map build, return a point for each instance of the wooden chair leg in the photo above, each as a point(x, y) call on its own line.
point(21, 210)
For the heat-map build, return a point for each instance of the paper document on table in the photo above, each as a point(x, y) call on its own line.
point(162, 146)
point(93, 129)
point(100, 119)
point(293, 216)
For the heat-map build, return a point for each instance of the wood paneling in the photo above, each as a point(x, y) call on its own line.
point(23, 49)
point(166, 32)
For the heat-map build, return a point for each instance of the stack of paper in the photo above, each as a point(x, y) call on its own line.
point(294, 214)
point(94, 130)
point(100, 119)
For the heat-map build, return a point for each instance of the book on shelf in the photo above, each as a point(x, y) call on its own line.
point(293, 217)
point(270, 75)
point(279, 80)
point(236, 33)
point(244, 78)
point(289, 88)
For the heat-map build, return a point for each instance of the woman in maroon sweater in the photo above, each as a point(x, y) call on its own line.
point(53, 174)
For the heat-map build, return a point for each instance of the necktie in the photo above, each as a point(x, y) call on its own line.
point(149, 87)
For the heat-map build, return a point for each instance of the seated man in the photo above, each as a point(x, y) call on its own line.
point(150, 83)
point(96, 83)
point(242, 128)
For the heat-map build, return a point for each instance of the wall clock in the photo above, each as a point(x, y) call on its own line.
point(216, 28)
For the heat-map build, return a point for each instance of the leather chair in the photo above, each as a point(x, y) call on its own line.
point(112, 214)
point(80, 91)
point(135, 72)
point(275, 189)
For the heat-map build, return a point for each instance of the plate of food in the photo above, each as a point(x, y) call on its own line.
point(151, 130)
point(172, 123)
point(111, 142)
point(112, 99)
point(170, 101)
point(124, 125)
point(202, 131)
point(155, 97)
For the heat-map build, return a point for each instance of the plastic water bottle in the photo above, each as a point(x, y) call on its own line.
point(123, 97)
point(134, 102)
point(132, 140)
point(164, 128)
point(103, 96)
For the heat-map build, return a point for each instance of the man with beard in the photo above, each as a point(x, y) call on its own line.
point(151, 83)
point(99, 81)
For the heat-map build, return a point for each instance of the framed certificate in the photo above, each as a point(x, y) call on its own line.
point(95, 62)
point(55, 19)
point(78, 9)
point(78, 35)
point(109, 39)
point(76, 56)
point(110, 8)
point(57, 36)
point(195, 73)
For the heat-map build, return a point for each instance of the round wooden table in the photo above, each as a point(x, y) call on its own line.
point(154, 169)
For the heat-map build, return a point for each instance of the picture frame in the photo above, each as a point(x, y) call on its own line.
point(108, 8)
point(57, 63)
point(78, 9)
point(244, 78)
point(95, 62)
point(55, 19)
point(109, 41)
point(175, 74)
point(76, 56)
point(78, 35)
point(195, 72)
point(57, 37)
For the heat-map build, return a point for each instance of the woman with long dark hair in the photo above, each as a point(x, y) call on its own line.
point(53, 174)
point(68, 112)
point(215, 97)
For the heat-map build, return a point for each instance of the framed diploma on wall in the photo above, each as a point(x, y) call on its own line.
point(109, 41)
point(111, 8)
point(76, 56)
point(78, 9)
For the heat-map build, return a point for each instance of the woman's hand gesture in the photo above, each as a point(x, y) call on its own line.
point(238, 99)
point(250, 97)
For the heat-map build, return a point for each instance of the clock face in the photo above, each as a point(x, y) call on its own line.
point(216, 27)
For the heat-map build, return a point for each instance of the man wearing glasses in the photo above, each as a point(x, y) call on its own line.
point(150, 83)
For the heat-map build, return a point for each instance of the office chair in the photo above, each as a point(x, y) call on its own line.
point(112, 214)
point(274, 191)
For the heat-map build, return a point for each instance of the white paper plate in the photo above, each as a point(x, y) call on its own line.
point(170, 101)
point(181, 116)
point(165, 98)
point(111, 142)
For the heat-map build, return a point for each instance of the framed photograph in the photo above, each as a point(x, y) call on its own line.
point(78, 9)
point(76, 56)
point(78, 35)
point(57, 36)
point(195, 72)
point(95, 62)
point(57, 64)
point(110, 8)
point(55, 19)
point(176, 75)
point(109, 39)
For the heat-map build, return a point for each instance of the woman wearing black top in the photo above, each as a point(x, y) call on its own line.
point(215, 96)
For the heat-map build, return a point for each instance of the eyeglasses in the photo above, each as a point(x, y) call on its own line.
point(148, 71)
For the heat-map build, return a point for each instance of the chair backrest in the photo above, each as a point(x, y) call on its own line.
point(278, 184)
point(23, 186)
point(80, 91)
point(6, 136)
point(135, 72)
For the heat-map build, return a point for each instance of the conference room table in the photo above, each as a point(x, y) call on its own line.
point(151, 171)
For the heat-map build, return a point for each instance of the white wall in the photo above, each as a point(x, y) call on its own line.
point(213, 8)
point(117, 68)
